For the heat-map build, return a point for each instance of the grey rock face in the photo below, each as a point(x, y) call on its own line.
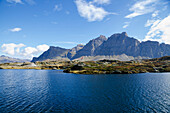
point(89, 48)
point(117, 44)
point(74, 50)
point(153, 49)
point(52, 53)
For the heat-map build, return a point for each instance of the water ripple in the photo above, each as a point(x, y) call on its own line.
point(53, 91)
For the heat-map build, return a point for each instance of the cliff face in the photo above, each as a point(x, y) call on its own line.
point(52, 53)
point(117, 44)
point(74, 50)
point(153, 49)
point(90, 47)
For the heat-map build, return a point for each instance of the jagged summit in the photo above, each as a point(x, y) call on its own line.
point(89, 48)
point(74, 50)
point(101, 37)
point(124, 34)
point(116, 44)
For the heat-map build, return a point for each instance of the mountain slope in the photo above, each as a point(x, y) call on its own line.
point(117, 45)
point(52, 53)
point(5, 59)
point(153, 49)
point(74, 50)
point(89, 48)
point(120, 43)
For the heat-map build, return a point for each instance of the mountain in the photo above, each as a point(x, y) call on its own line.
point(74, 50)
point(52, 53)
point(6, 59)
point(121, 43)
point(118, 46)
point(154, 49)
point(58, 53)
point(90, 47)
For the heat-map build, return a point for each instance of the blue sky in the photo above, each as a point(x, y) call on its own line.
point(29, 27)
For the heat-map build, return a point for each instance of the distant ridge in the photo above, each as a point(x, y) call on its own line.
point(117, 45)
point(6, 59)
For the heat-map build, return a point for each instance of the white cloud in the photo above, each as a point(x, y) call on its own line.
point(142, 7)
point(91, 12)
point(57, 7)
point(15, 1)
point(11, 48)
point(17, 50)
point(149, 23)
point(155, 14)
point(102, 1)
point(126, 24)
point(30, 52)
point(31, 2)
point(42, 48)
point(159, 31)
point(15, 29)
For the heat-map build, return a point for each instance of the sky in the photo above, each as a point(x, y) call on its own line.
point(29, 27)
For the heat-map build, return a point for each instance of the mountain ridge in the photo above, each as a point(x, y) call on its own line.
point(6, 59)
point(117, 44)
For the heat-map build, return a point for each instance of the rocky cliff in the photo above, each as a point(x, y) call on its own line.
point(52, 53)
point(116, 45)
point(90, 47)
point(121, 43)
point(74, 50)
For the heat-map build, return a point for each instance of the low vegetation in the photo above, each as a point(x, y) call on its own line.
point(98, 67)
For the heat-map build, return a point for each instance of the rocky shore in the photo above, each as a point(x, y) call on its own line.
point(44, 65)
point(156, 65)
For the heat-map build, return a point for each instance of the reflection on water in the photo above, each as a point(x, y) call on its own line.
point(54, 91)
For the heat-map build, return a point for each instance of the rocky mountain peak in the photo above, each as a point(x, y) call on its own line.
point(116, 44)
point(102, 37)
point(74, 50)
point(89, 48)
point(124, 34)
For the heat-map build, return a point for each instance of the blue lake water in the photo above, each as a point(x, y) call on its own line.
point(54, 91)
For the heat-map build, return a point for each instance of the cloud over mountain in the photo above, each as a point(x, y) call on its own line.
point(141, 8)
point(159, 30)
point(17, 50)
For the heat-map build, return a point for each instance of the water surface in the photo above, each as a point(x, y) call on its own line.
point(55, 91)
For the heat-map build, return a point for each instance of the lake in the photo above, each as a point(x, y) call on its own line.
point(55, 91)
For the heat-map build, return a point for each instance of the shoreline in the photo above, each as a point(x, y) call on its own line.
point(156, 65)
